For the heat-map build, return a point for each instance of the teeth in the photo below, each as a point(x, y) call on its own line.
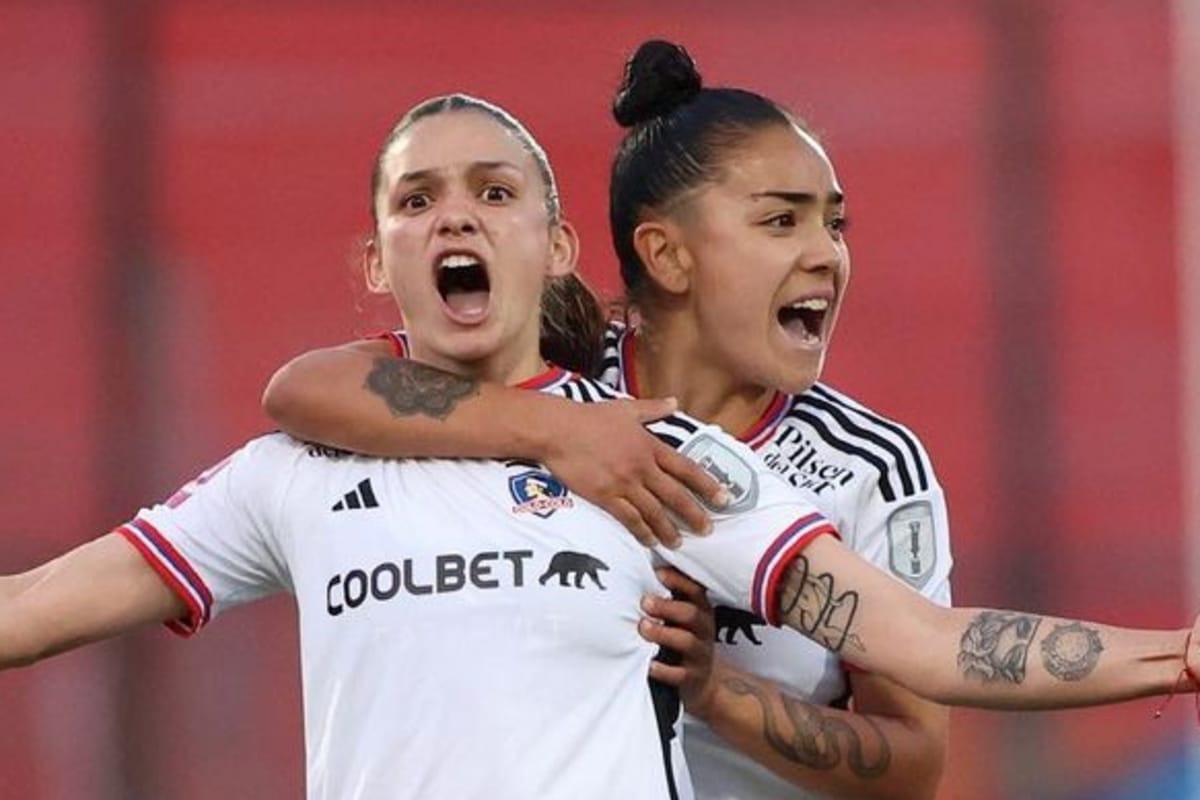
point(457, 260)
point(811, 304)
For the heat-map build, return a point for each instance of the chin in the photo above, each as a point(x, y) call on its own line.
point(799, 378)
point(469, 346)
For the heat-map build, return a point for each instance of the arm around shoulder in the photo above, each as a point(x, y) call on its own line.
point(361, 396)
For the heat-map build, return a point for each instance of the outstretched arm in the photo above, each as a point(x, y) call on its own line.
point(363, 398)
point(986, 658)
point(97, 590)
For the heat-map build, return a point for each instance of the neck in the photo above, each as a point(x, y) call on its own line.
point(670, 360)
point(508, 367)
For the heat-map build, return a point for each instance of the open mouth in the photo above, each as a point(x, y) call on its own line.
point(805, 319)
point(462, 281)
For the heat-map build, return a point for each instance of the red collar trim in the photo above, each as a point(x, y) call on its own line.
point(757, 436)
point(544, 380)
point(398, 340)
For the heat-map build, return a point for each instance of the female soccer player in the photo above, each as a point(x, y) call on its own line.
point(727, 218)
point(467, 627)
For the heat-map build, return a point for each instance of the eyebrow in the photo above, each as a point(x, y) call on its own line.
point(474, 166)
point(798, 198)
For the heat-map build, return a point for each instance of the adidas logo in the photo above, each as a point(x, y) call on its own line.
point(361, 496)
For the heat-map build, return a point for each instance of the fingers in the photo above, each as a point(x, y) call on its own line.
point(1191, 655)
point(628, 515)
point(655, 516)
point(668, 674)
point(684, 587)
point(691, 616)
point(653, 408)
point(683, 629)
point(677, 500)
point(678, 640)
point(692, 476)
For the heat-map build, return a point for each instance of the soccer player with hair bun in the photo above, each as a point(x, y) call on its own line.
point(469, 628)
point(728, 222)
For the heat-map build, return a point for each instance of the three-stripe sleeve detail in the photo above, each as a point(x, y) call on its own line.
point(175, 571)
point(764, 595)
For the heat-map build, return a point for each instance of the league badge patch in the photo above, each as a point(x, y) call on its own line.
point(912, 551)
point(728, 468)
point(538, 492)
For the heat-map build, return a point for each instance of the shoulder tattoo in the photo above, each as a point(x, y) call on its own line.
point(410, 388)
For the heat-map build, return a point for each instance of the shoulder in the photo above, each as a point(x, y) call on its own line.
point(276, 458)
point(393, 343)
point(885, 447)
point(586, 390)
point(274, 445)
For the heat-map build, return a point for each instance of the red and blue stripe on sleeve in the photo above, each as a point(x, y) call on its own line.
point(175, 571)
point(773, 564)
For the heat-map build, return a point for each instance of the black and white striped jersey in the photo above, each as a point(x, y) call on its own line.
point(873, 479)
point(468, 627)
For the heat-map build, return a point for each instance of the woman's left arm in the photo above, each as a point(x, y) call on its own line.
point(988, 658)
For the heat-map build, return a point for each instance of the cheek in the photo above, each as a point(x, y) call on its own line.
point(406, 280)
point(526, 249)
point(726, 303)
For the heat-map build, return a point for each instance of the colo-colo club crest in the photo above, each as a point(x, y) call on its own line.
point(538, 492)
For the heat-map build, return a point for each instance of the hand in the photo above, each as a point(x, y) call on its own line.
point(602, 452)
point(684, 625)
point(1191, 658)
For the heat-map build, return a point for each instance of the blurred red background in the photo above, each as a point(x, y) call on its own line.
point(184, 188)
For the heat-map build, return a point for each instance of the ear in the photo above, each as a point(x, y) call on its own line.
point(564, 250)
point(372, 267)
point(659, 244)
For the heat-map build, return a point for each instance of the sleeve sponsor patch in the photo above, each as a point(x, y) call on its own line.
point(912, 552)
point(729, 469)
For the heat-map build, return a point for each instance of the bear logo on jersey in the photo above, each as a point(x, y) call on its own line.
point(728, 468)
point(734, 621)
point(538, 492)
point(567, 563)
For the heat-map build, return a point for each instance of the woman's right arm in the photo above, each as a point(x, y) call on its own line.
point(361, 397)
point(96, 591)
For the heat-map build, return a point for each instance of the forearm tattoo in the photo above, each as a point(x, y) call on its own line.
point(1070, 652)
point(995, 645)
point(411, 388)
point(811, 604)
point(808, 735)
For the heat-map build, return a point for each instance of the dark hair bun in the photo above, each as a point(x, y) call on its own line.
point(659, 77)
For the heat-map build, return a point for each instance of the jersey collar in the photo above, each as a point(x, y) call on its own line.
point(552, 378)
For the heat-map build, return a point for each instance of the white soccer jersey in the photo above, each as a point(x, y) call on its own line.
point(468, 628)
point(872, 478)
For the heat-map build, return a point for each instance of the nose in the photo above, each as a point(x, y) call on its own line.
point(457, 218)
point(824, 252)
